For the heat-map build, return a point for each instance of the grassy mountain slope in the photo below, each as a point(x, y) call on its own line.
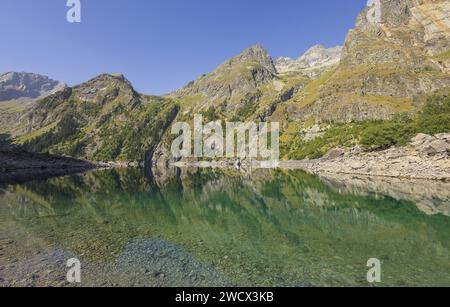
point(241, 87)
point(386, 72)
point(103, 119)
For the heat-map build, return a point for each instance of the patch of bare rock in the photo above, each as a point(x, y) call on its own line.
point(425, 157)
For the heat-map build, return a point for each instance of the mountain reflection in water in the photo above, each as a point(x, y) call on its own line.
point(223, 227)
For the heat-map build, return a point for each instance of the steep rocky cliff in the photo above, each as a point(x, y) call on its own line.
point(386, 67)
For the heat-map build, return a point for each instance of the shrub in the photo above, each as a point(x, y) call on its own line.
point(435, 116)
point(382, 135)
point(375, 135)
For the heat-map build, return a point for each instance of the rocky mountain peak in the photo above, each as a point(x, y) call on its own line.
point(112, 78)
point(314, 60)
point(319, 55)
point(256, 54)
point(315, 48)
point(107, 80)
point(27, 86)
point(232, 80)
point(105, 87)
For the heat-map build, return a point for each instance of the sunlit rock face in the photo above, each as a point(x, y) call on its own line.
point(229, 83)
point(407, 31)
point(312, 63)
point(26, 86)
point(387, 66)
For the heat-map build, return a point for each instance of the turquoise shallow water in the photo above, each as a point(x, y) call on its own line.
point(265, 228)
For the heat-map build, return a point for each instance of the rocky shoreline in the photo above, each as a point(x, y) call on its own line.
point(426, 157)
point(117, 164)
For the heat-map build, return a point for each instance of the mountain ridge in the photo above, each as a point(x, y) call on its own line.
point(384, 70)
point(231, 85)
point(27, 86)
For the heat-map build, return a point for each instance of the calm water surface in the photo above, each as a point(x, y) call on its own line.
point(214, 228)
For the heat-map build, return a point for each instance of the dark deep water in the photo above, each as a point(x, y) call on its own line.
point(223, 227)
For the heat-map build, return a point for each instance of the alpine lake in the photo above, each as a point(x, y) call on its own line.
point(224, 227)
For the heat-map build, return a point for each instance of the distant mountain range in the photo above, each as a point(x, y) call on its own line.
point(27, 86)
point(382, 70)
point(312, 62)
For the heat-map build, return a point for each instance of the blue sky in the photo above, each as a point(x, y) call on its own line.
point(160, 45)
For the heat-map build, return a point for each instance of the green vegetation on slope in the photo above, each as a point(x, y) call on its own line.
point(443, 56)
point(374, 135)
point(131, 139)
point(124, 133)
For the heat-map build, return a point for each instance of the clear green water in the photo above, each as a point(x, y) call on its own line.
point(267, 228)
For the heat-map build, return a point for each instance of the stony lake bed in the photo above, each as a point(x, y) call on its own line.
point(224, 228)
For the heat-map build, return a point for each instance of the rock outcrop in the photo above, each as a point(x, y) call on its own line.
point(386, 67)
point(407, 32)
point(426, 157)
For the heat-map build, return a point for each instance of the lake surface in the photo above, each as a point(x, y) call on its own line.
point(224, 228)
